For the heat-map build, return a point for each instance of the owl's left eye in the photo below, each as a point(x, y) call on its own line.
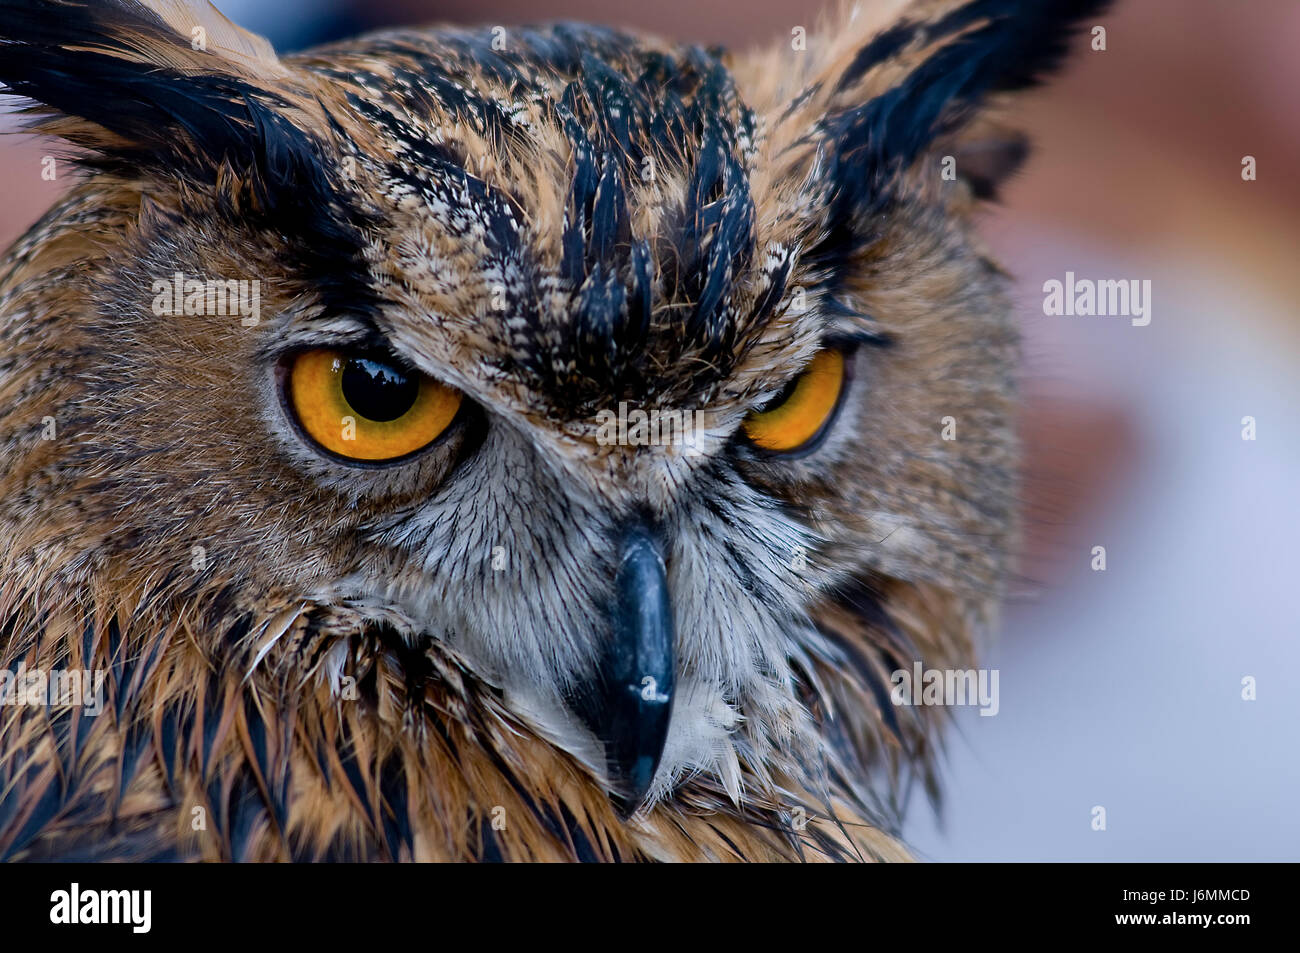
point(801, 414)
point(361, 406)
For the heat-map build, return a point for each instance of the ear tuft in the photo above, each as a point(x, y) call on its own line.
point(878, 96)
point(171, 89)
point(159, 82)
point(199, 22)
point(953, 65)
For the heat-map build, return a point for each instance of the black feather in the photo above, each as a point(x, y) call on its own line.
point(1011, 45)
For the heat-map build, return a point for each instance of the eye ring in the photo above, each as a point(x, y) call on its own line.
point(363, 407)
point(797, 421)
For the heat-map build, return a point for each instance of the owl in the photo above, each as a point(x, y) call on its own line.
point(508, 444)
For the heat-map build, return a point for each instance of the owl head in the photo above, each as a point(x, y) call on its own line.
point(648, 401)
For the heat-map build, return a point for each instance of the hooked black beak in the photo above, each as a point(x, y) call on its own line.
point(631, 702)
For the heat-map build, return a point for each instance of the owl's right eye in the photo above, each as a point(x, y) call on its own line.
point(799, 416)
point(361, 406)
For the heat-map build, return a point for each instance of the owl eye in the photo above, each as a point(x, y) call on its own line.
point(362, 407)
point(801, 413)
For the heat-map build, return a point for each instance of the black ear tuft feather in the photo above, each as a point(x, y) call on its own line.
point(118, 66)
point(150, 104)
point(992, 46)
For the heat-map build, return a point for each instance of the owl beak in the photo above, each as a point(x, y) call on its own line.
point(631, 704)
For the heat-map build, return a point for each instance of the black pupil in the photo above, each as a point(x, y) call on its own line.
point(376, 390)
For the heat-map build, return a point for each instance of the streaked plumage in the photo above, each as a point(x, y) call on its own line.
point(580, 219)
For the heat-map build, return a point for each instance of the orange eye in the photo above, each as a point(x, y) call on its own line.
point(800, 414)
point(361, 407)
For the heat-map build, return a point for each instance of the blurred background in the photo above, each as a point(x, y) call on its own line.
point(1123, 688)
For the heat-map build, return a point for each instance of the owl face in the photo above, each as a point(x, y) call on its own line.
point(485, 274)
